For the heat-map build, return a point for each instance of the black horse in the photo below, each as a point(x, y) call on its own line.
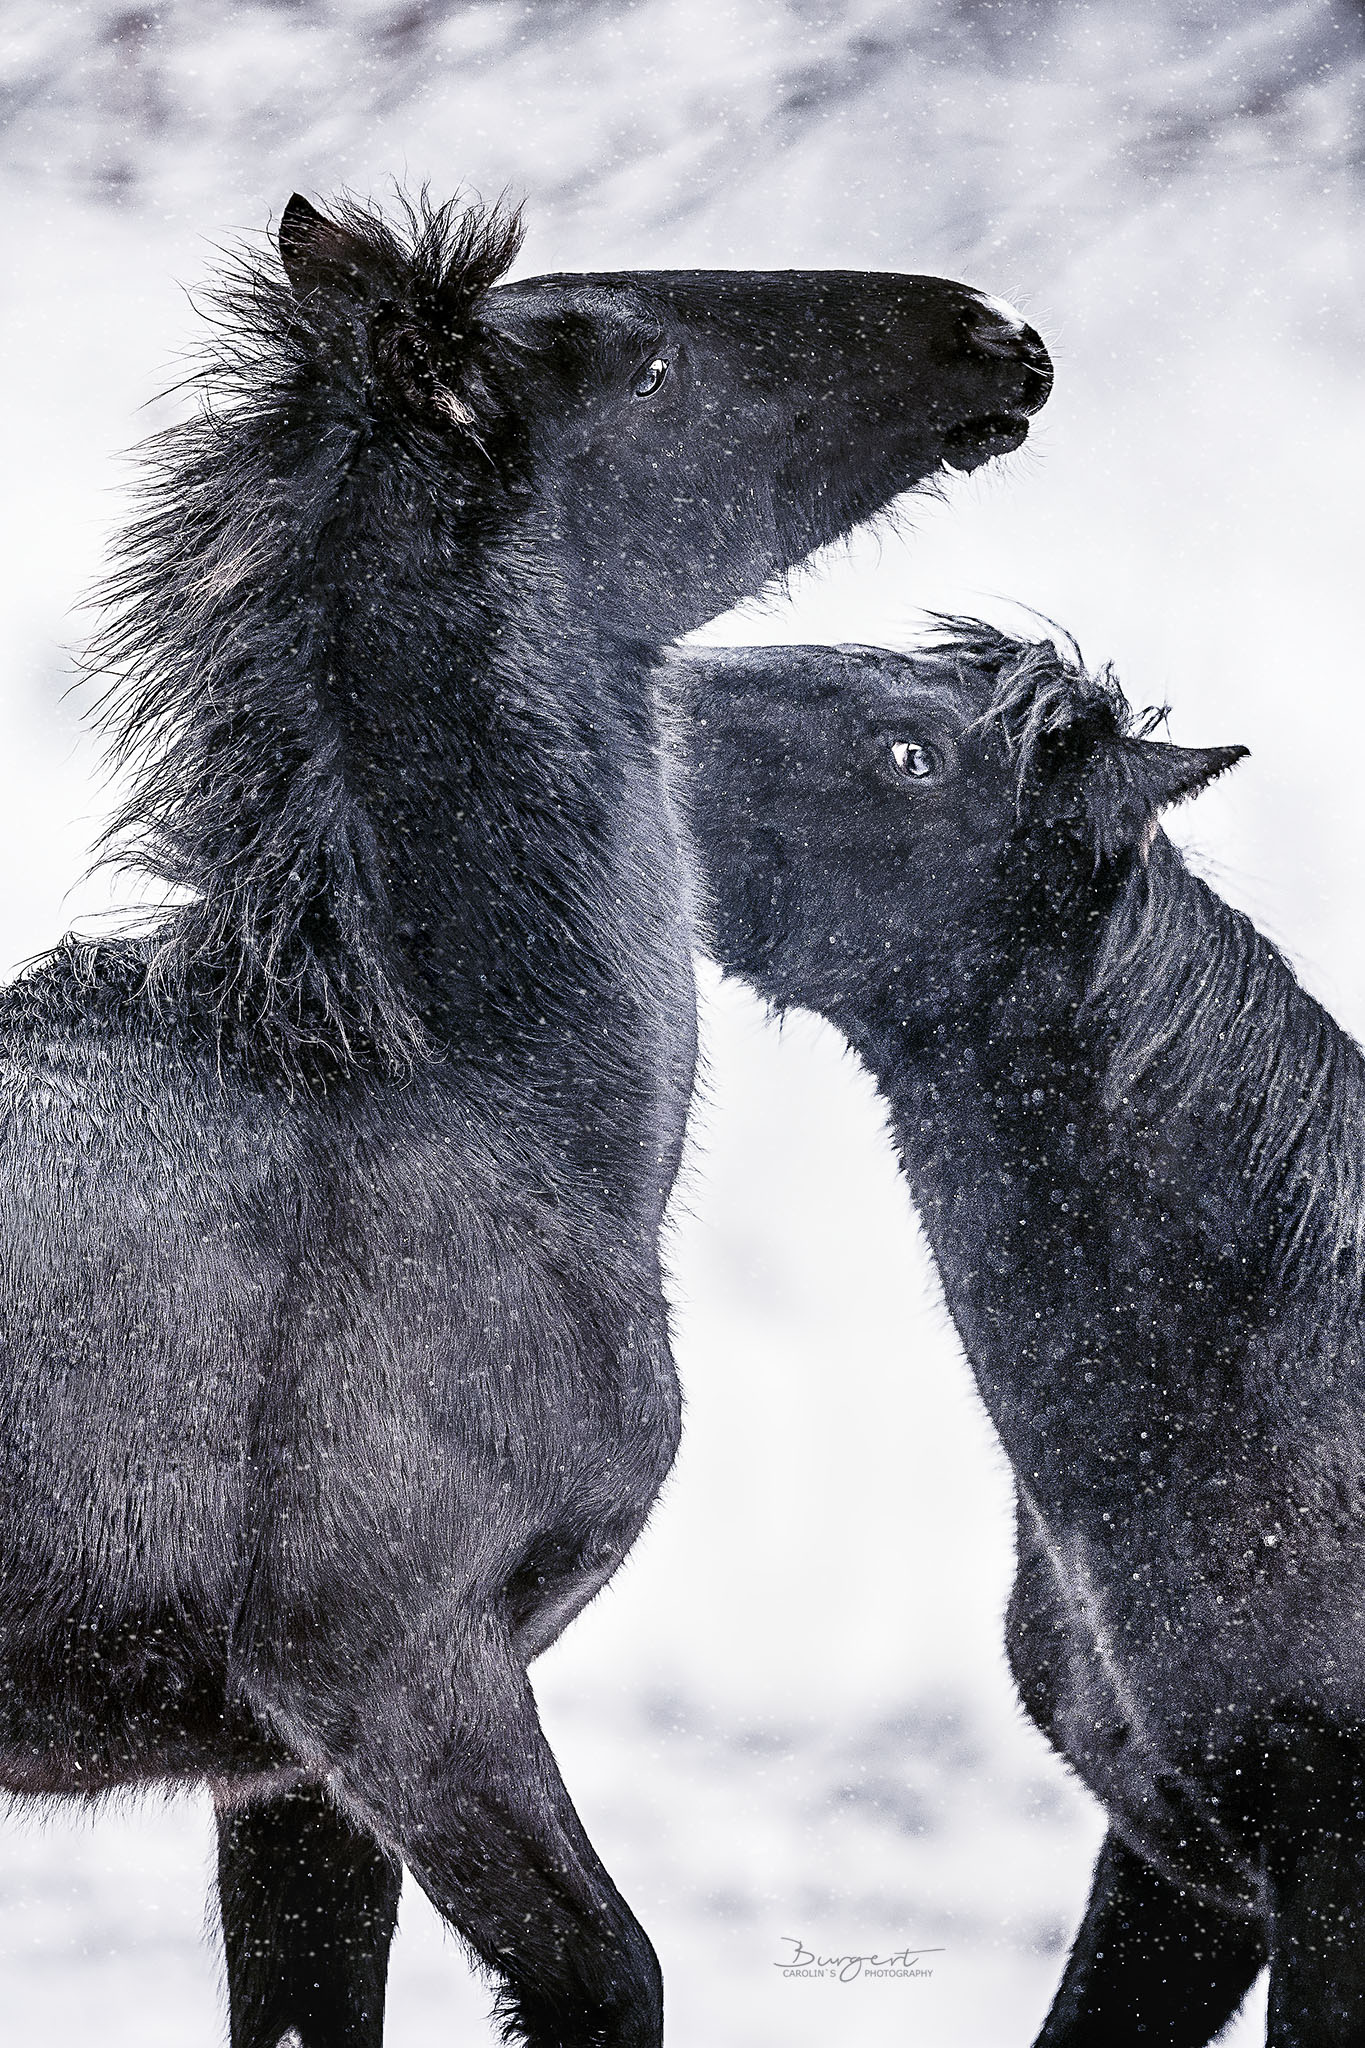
point(1138, 1149)
point(334, 1375)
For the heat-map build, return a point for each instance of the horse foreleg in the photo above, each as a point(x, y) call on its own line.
point(308, 1903)
point(453, 1771)
point(1151, 1963)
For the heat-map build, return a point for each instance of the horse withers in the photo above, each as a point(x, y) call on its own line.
point(1138, 1150)
point(334, 1369)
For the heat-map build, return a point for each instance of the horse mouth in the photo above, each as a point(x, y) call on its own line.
point(967, 446)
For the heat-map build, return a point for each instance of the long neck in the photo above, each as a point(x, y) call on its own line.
point(506, 761)
point(527, 852)
point(1118, 1159)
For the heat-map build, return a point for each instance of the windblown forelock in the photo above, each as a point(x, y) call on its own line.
point(1039, 689)
point(439, 259)
point(432, 270)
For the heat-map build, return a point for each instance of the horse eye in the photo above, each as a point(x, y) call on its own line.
point(913, 761)
point(650, 378)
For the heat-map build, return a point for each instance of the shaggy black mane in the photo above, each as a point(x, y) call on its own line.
point(1209, 1021)
point(1040, 689)
point(218, 627)
point(1202, 1016)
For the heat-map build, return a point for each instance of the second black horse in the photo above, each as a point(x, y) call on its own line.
point(1138, 1149)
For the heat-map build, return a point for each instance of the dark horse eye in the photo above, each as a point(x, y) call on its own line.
point(650, 378)
point(913, 761)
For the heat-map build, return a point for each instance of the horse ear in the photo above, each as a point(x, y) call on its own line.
point(1132, 781)
point(314, 250)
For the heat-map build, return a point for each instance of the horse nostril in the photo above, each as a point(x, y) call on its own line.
point(1038, 363)
point(1032, 352)
point(993, 325)
point(995, 329)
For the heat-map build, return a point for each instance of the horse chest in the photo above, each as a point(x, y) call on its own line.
point(1098, 1691)
point(458, 1343)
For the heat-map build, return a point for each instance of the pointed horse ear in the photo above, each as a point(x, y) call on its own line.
point(314, 250)
point(1133, 781)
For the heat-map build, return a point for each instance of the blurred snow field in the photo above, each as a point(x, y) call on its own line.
point(788, 1721)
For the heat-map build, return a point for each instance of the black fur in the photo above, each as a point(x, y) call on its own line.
point(334, 1374)
point(1137, 1148)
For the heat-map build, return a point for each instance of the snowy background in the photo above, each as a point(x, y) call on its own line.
point(789, 1717)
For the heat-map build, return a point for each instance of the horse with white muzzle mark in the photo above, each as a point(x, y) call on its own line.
point(334, 1371)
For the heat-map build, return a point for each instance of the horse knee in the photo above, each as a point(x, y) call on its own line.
point(612, 1997)
point(473, 1802)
